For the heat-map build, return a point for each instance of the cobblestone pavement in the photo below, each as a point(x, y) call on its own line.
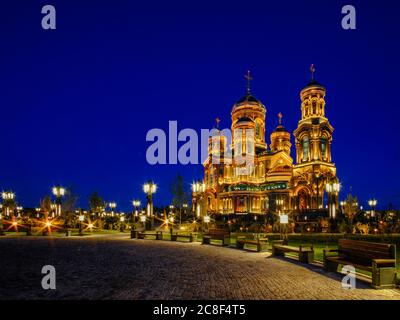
point(116, 267)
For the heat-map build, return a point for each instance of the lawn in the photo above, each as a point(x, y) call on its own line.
point(318, 253)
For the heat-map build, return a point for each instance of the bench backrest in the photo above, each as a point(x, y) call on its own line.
point(218, 232)
point(364, 251)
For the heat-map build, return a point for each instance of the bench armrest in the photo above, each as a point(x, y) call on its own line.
point(326, 251)
point(388, 262)
point(330, 250)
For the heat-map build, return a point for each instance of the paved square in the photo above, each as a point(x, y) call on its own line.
point(116, 267)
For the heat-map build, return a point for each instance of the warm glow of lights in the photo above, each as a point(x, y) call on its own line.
point(7, 195)
point(122, 219)
point(81, 217)
point(48, 224)
point(372, 202)
point(58, 191)
point(136, 203)
point(14, 223)
point(149, 188)
point(143, 218)
point(90, 225)
point(207, 219)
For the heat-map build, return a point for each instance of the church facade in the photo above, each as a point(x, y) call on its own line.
point(274, 180)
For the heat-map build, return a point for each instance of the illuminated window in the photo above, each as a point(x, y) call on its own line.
point(306, 146)
point(323, 147)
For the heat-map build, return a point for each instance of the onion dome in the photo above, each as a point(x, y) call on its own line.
point(280, 127)
point(248, 100)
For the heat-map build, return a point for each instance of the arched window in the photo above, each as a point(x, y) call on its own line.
point(258, 130)
point(306, 147)
point(323, 148)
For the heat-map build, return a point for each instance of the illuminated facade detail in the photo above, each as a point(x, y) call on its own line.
point(269, 180)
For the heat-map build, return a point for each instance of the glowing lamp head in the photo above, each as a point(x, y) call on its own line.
point(122, 219)
point(7, 195)
point(143, 218)
point(59, 191)
point(14, 223)
point(90, 225)
point(149, 188)
point(48, 224)
point(136, 203)
point(112, 205)
point(207, 219)
point(81, 217)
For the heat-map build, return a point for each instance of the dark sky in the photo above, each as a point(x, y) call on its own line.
point(77, 102)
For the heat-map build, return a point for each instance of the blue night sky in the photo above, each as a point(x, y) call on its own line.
point(77, 102)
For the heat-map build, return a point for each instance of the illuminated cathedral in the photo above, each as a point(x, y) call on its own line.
point(273, 181)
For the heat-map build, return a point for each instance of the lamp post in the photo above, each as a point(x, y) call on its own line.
point(112, 206)
point(149, 189)
point(136, 204)
point(372, 203)
point(81, 219)
point(8, 198)
point(198, 189)
point(332, 188)
point(184, 206)
point(342, 204)
point(58, 192)
point(122, 223)
point(143, 220)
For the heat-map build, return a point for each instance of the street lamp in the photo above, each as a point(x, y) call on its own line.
point(372, 203)
point(184, 206)
point(112, 206)
point(143, 220)
point(81, 219)
point(332, 188)
point(198, 189)
point(8, 198)
point(149, 189)
point(58, 192)
point(122, 220)
point(136, 204)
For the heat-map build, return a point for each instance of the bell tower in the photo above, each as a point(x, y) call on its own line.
point(313, 138)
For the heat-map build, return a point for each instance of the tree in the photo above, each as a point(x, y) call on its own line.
point(351, 207)
point(69, 206)
point(45, 206)
point(179, 196)
point(96, 202)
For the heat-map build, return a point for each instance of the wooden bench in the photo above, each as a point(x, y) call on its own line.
point(378, 258)
point(217, 234)
point(157, 234)
point(260, 242)
point(305, 252)
point(191, 236)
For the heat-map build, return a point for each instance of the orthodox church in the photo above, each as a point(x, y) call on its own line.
point(276, 181)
